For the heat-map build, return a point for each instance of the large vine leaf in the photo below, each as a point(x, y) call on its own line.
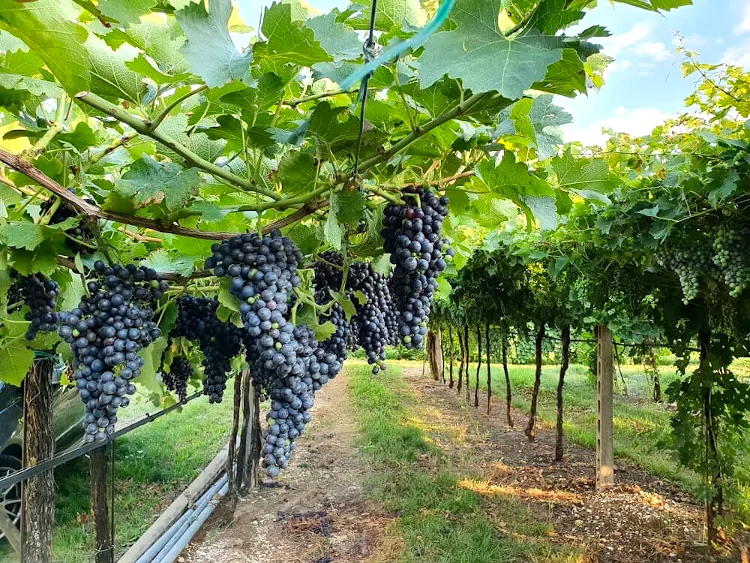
point(48, 27)
point(148, 181)
point(338, 40)
point(484, 59)
point(290, 43)
point(209, 48)
point(125, 11)
point(391, 15)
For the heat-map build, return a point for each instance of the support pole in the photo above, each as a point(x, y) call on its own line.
point(252, 481)
point(98, 470)
point(38, 510)
point(604, 423)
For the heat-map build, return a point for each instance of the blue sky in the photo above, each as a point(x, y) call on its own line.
point(644, 86)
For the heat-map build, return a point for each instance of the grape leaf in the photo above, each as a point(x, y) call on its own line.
point(16, 359)
point(346, 304)
point(164, 261)
point(332, 230)
point(148, 181)
point(579, 174)
point(478, 53)
point(34, 86)
point(391, 15)
point(226, 297)
point(151, 363)
point(324, 331)
point(125, 11)
point(8, 197)
point(109, 73)
point(49, 29)
point(289, 42)
point(209, 48)
point(338, 40)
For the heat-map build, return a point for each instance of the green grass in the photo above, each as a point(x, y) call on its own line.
point(153, 464)
point(439, 520)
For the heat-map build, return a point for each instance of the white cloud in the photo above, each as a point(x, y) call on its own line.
point(636, 122)
point(613, 45)
point(653, 49)
point(744, 25)
point(738, 55)
point(616, 66)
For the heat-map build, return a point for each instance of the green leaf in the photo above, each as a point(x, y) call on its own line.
point(478, 53)
point(16, 359)
point(48, 27)
point(391, 15)
point(209, 48)
point(226, 297)
point(150, 182)
point(360, 297)
point(338, 40)
point(297, 171)
point(346, 304)
point(544, 209)
point(110, 76)
point(553, 15)
point(290, 42)
point(332, 230)
point(151, 363)
point(23, 235)
point(163, 260)
point(382, 264)
point(351, 206)
point(583, 175)
point(33, 86)
point(324, 331)
point(8, 198)
point(125, 11)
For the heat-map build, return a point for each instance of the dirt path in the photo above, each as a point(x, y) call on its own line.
point(315, 512)
point(641, 519)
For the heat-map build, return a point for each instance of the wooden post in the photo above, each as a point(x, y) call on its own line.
point(605, 460)
point(38, 509)
point(435, 354)
point(237, 399)
point(254, 446)
point(98, 471)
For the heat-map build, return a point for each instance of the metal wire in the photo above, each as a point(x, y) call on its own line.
point(370, 49)
point(28, 473)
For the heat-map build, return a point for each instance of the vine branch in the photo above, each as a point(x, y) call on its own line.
point(92, 211)
point(146, 128)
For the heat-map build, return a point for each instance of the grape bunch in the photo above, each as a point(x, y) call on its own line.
point(219, 341)
point(732, 256)
point(40, 294)
point(263, 277)
point(689, 263)
point(411, 234)
point(180, 372)
point(328, 276)
point(112, 323)
point(371, 319)
point(82, 231)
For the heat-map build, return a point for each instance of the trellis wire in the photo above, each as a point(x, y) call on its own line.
point(30, 472)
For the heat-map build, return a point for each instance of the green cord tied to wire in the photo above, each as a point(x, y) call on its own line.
point(366, 70)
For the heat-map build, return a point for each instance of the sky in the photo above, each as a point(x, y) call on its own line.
point(644, 86)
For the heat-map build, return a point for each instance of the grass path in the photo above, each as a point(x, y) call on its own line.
point(441, 519)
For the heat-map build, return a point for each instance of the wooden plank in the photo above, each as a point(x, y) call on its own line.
point(605, 460)
point(98, 473)
point(12, 534)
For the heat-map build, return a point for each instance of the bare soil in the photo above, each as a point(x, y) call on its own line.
point(640, 519)
point(315, 512)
